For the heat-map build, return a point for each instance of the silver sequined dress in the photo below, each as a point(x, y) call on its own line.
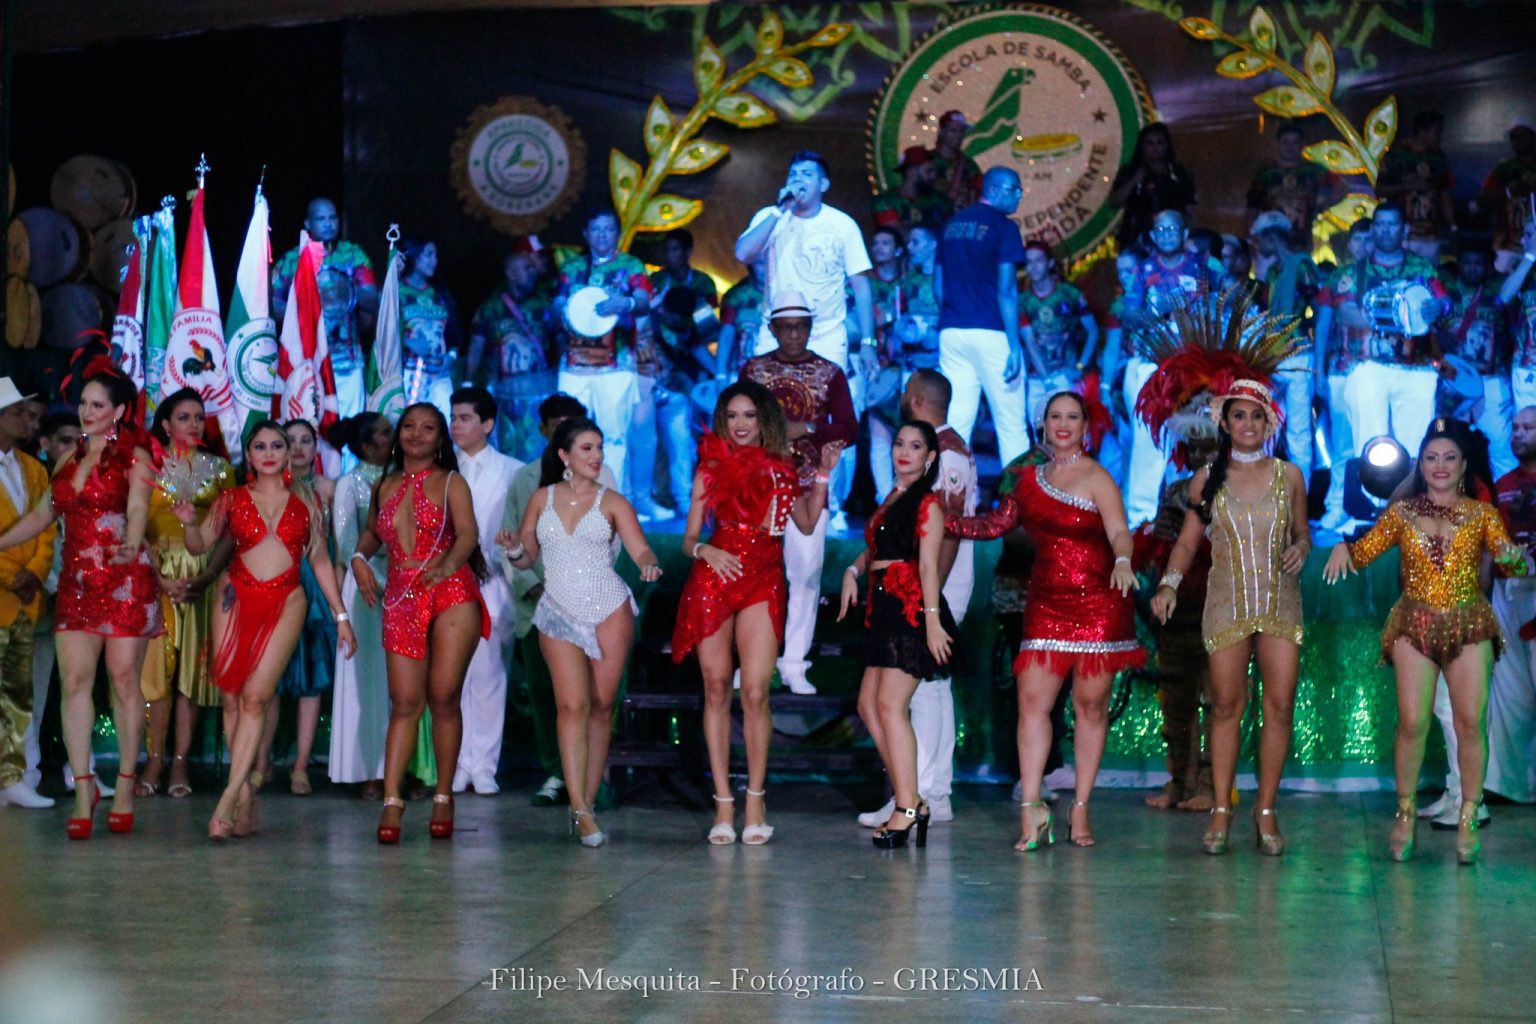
point(581, 588)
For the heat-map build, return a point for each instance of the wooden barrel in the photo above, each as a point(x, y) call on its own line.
point(70, 313)
point(18, 250)
point(93, 190)
point(110, 258)
point(23, 314)
point(61, 249)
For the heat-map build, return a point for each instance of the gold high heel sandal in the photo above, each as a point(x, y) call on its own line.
point(1407, 811)
point(1468, 846)
point(1271, 844)
point(1214, 842)
point(1085, 837)
point(1037, 835)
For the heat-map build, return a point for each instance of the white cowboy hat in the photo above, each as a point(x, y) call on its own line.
point(9, 396)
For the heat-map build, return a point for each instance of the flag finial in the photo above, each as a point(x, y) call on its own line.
point(202, 168)
point(393, 236)
point(261, 180)
point(168, 202)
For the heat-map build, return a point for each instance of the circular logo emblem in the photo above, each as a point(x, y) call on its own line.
point(253, 363)
point(518, 164)
point(1044, 93)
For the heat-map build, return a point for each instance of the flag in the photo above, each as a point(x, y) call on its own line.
point(303, 359)
point(249, 328)
point(159, 301)
point(195, 352)
point(128, 324)
point(384, 381)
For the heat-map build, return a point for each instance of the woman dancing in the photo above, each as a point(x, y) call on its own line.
point(909, 625)
point(586, 616)
point(734, 599)
point(108, 604)
point(433, 614)
point(179, 663)
point(1442, 623)
point(1078, 616)
point(313, 665)
point(261, 607)
point(1253, 507)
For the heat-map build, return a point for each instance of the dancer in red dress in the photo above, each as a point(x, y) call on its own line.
point(1078, 618)
point(260, 608)
point(434, 616)
point(108, 604)
point(735, 595)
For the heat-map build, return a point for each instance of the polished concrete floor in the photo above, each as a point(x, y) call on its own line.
point(312, 921)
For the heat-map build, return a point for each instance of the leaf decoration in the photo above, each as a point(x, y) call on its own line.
point(1336, 156)
point(789, 72)
point(1200, 28)
point(1350, 209)
point(1242, 64)
point(1262, 28)
point(708, 67)
point(1381, 127)
point(770, 35)
point(1319, 65)
point(665, 212)
point(832, 34)
point(623, 178)
point(698, 155)
point(743, 110)
point(1288, 101)
point(659, 123)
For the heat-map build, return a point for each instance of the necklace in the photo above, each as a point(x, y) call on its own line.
point(575, 498)
point(1068, 460)
point(1257, 456)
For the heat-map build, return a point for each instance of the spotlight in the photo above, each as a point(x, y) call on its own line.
point(1385, 464)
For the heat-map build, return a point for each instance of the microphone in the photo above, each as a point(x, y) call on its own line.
point(787, 197)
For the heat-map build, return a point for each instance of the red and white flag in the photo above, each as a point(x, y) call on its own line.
point(128, 324)
point(303, 358)
point(194, 352)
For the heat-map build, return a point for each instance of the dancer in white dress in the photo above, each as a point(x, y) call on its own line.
point(586, 618)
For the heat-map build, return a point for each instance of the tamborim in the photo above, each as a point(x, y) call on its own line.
point(582, 317)
point(1398, 308)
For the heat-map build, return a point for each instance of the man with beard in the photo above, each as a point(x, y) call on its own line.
point(916, 200)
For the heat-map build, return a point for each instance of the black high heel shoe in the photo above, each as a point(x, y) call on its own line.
point(888, 838)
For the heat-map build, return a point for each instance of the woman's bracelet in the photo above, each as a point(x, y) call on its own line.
point(358, 554)
point(518, 552)
point(854, 568)
point(696, 548)
point(823, 479)
point(342, 617)
point(930, 611)
point(1171, 579)
point(1123, 558)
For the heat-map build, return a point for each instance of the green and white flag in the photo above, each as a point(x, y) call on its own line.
point(384, 378)
point(252, 334)
point(159, 303)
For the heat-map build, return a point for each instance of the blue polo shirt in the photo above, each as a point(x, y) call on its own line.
point(973, 243)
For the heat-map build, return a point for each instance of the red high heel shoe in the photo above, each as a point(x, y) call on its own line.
point(121, 822)
point(390, 834)
point(80, 828)
point(441, 829)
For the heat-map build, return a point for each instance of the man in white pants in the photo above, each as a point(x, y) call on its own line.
point(1512, 695)
point(1339, 337)
point(817, 252)
point(819, 410)
point(1290, 281)
point(484, 699)
point(1521, 301)
point(980, 250)
point(927, 398)
point(599, 368)
point(1476, 328)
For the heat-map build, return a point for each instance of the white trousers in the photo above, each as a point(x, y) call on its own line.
point(1512, 696)
point(974, 361)
point(1497, 414)
point(1294, 377)
point(483, 700)
point(803, 558)
point(610, 397)
point(833, 347)
point(1341, 448)
point(1522, 384)
point(933, 702)
point(1148, 463)
point(43, 656)
point(1386, 398)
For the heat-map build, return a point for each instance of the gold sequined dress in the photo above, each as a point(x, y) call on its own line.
point(1247, 592)
point(1442, 608)
point(180, 657)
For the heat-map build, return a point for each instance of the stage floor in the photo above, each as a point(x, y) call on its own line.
point(312, 921)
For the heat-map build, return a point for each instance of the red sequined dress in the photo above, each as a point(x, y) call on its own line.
point(258, 602)
point(410, 603)
point(94, 595)
point(896, 631)
point(749, 492)
point(1073, 620)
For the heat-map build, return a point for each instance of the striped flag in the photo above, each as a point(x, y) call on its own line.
point(159, 301)
point(249, 327)
point(303, 358)
point(195, 352)
point(128, 324)
point(383, 380)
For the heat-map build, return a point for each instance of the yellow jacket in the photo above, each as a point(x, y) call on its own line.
point(36, 554)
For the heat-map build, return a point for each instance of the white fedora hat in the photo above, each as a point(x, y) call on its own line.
point(9, 396)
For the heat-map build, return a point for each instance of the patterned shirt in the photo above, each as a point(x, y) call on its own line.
point(1298, 192)
point(1354, 284)
point(741, 308)
point(1510, 186)
point(957, 487)
point(894, 210)
point(621, 276)
point(1517, 504)
point(1476, 327)
point(959, 178)
point(429, 329)
point(345, 272)
point(1057, 322)
point(509, 342)
point(1291, 283)
point(813, 390)
point(1522, 323)
point(1427, 177)
point(1166, 287)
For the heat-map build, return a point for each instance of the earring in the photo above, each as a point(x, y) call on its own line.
point(287, 477)
point(567, 475)
point(112, 433)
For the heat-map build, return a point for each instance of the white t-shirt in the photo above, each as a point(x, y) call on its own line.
point(815, 256)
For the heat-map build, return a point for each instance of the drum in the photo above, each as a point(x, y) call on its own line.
point(582, 318)
point(1398, 308)
point(71, 312)
point(1466, 384)
point(23, 314)
point(93, 190)
point(61, 249)
point(110, 259)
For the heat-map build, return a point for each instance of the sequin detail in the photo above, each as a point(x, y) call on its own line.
point(1065, 497)
point(258, 602)
point(1248, 592)
point(709, 600)
point(410, 603)
point(95, 596)
point(581, 588)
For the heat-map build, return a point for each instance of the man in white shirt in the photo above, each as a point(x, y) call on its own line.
point(484, 701)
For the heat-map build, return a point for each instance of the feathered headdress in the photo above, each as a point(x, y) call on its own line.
point(1210, 350)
